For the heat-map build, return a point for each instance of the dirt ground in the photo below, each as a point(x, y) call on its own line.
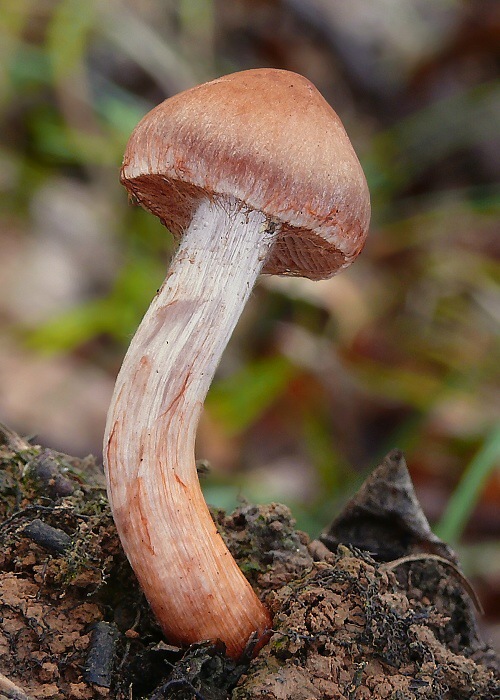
point(398, 622)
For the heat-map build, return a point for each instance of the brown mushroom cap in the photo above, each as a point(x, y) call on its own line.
point(269, 139)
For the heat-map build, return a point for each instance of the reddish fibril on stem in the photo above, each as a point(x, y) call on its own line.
point(254, 173)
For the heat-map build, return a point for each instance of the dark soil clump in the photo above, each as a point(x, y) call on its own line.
point(75, 625)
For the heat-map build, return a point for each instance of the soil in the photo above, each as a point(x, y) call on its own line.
point(396, 623)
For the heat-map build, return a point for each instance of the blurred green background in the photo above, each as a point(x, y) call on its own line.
point(320, 379)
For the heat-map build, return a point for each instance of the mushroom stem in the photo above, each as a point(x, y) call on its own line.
point(192, 583)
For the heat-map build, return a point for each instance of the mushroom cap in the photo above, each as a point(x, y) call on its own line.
point(269, 139)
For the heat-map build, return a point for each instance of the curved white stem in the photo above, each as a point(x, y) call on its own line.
point(192, 583)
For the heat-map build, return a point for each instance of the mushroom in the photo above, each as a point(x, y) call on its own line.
point(253, 172)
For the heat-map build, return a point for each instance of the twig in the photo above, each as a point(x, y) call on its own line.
point(43, 509)
point(101, 654)
point(12, 440)
point(10, 691)
point(50, 538)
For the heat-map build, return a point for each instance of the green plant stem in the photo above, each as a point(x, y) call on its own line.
point(463, 500)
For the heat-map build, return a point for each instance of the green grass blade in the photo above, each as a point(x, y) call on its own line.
point(466, 495)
